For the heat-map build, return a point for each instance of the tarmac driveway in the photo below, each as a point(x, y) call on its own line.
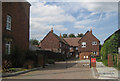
point(61, 70)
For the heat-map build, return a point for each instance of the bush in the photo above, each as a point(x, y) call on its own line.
point(98, 59)
point(105, 62)
point(50, 61)
point(17, 57)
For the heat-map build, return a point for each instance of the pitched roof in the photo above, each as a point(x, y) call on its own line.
point(86, 34)
point(72, 41)
point(60, 39)
point(112, 34)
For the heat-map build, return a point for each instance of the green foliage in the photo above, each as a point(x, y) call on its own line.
point(51, 61)
point(110, 47)
point(80, 35)
point(98, 59)
point(71, 35)
point(105, 62)
point(34, 42)
point(65, 35)
point(17, 57)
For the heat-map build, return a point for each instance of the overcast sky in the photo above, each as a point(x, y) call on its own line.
point(73, 17)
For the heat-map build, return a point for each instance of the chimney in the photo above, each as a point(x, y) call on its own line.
point(60, 35)
point(91, 29)
point(52, 29)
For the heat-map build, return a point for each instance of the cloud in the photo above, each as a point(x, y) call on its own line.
point(44, 17)
point(85, 21)
point(100, 6)
point(84, 27)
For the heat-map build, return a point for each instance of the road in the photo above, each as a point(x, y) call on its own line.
point(61, 70)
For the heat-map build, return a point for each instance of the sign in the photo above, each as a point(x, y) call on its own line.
point(93, 59)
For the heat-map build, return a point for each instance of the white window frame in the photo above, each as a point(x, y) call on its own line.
point(76, 48)
point(94, 43)
point(83, 44)
point(70, 48)
point(87, 57)
point(60, 44)
point(8, 22)
point(8, 47)
point(84, 57)
point(95, 53)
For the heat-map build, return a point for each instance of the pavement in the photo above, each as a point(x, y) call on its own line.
point(103, 72)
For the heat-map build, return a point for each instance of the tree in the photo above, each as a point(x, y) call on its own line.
point(34, 42)
point(80, 35)
point(65, 35)
point(71, 35)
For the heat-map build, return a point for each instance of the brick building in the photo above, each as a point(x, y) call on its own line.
point(54, 43)
point(73, 43)
point(88, 44)
point(15, 26)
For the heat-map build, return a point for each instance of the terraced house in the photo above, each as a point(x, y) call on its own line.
point(15, 26)
point(54, 43)
point(88, 45)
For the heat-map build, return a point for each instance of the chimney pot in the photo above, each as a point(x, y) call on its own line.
point(52, 29)
point(60, 35)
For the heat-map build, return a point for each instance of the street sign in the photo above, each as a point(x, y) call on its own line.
point(93, 59)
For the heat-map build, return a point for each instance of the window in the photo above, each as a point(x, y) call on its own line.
point(70, 48)
point(83, 44)
point(94, 43)
point(76, 48)
point(8, 47)
point(60, 44)
point(95, 53)
point(84, 57)
point(87, 57)
point(8, 24)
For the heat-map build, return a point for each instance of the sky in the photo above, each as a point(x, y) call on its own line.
point(73, 17)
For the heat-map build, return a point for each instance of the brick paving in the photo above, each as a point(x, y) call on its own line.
point(74, 70)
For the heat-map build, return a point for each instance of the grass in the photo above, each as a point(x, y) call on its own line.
point(16, 69)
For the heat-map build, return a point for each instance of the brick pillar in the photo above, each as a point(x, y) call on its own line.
point(118, 59)
point(110, 60)
point(93, 62)
point(40, 60)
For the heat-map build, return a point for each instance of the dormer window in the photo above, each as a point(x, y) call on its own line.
point(8, 23)
point(83, 44)
point(94, 43)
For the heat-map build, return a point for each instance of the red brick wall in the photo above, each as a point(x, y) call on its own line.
point(19, 11)
point(89, 38)
point(110, 61)
point(50, 42)
point(81, 55)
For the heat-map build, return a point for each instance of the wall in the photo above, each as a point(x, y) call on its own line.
point(89, 38)
point(19, 11)
point(50, 42)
